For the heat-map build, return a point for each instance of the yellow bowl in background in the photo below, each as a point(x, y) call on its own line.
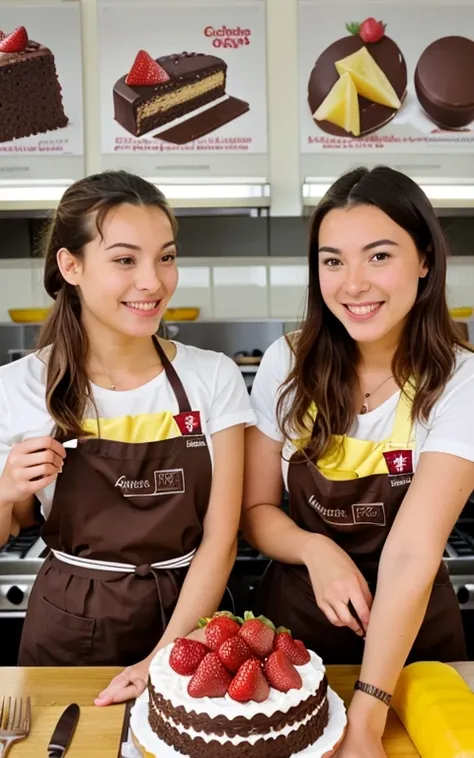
point(461, 312)
point(181, 314)
point(28, 315)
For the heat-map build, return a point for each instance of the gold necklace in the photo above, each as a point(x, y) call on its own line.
point(365, 404)
point(112, 385)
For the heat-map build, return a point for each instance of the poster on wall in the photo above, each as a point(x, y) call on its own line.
point(41, 129)
point(185, 90)
point(387, 82)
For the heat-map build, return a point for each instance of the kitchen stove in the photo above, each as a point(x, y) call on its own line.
point(22, 556)
point(20, 561)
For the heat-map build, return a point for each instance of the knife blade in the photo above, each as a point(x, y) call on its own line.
point(63, 733)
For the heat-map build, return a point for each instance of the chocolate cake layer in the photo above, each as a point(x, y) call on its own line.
point(239, 726)
point(324, 76)
point(283, 746)
point(30, 94)
point(444, 82)
point(195, 80)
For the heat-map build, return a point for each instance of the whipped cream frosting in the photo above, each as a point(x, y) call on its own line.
point(174, 688)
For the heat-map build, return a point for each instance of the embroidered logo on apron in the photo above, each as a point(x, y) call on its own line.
point(359, 513)
point(399, 462)
point(331, 515)
point(165, 482)
point(400, 466)
point(369, 513)
point(189, 422)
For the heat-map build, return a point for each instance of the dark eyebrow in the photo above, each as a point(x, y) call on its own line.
point(370, 246)
point(129, 246)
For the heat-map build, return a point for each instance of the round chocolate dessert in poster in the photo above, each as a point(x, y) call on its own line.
point(358, 83)
point(444, 82)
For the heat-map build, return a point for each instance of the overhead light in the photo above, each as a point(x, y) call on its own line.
point(217, 190)
point(35, 191)
point(448, 195)
point(188, 193)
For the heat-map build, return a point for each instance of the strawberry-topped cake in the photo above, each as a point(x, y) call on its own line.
point(247, 690)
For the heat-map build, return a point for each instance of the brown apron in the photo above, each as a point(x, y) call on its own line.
point(125, 522)
point(353, 498)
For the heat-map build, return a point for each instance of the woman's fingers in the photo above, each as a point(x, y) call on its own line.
point(344, 615)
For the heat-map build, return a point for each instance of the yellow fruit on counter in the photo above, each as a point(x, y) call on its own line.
point(341, 106)
point(369, 78)
point(436, 707)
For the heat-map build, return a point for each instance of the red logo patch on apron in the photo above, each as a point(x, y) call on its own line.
point(399, 462)
point(189, 423)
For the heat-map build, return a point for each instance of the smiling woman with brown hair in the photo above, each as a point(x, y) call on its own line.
point(366, 416)
point(132, 445)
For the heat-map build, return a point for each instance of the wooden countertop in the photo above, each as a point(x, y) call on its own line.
point(98, 731)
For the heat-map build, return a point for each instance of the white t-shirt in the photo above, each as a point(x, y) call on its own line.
point(449, 428)
point(213, 383)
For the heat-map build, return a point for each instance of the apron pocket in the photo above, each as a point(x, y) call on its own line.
point(68, 638)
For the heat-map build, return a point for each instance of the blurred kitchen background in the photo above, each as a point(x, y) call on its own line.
point(244, 270)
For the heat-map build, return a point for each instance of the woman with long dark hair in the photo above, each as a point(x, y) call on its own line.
point(131, 445)
point(365, 415)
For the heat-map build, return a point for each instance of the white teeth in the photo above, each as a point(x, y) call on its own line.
point(362, 310)
point(143, 306)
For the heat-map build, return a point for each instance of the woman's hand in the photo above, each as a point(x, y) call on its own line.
point(336, 581)
point(129, 684)
point(31, 465)
point(360, 744)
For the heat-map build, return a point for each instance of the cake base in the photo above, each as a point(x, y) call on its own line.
point(197, 125)
point(150, 746)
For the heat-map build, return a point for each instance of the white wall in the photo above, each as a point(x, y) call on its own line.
point(254, 288)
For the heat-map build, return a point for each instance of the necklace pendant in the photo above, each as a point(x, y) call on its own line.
point(112, 386)
point(364, 409)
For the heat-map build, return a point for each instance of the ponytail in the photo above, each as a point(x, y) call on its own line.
point(67, 384)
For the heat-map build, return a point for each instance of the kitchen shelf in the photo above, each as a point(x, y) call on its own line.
point(448, 195)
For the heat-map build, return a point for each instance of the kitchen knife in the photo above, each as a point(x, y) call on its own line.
point(63, 733)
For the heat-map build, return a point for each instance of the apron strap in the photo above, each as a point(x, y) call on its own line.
point(125, 568)
point(173, 378)
point(403, 427)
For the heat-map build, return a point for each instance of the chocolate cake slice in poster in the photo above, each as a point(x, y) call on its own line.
point(30, 93)
point(168, 90)
point(359, 83)
point(444, 82)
